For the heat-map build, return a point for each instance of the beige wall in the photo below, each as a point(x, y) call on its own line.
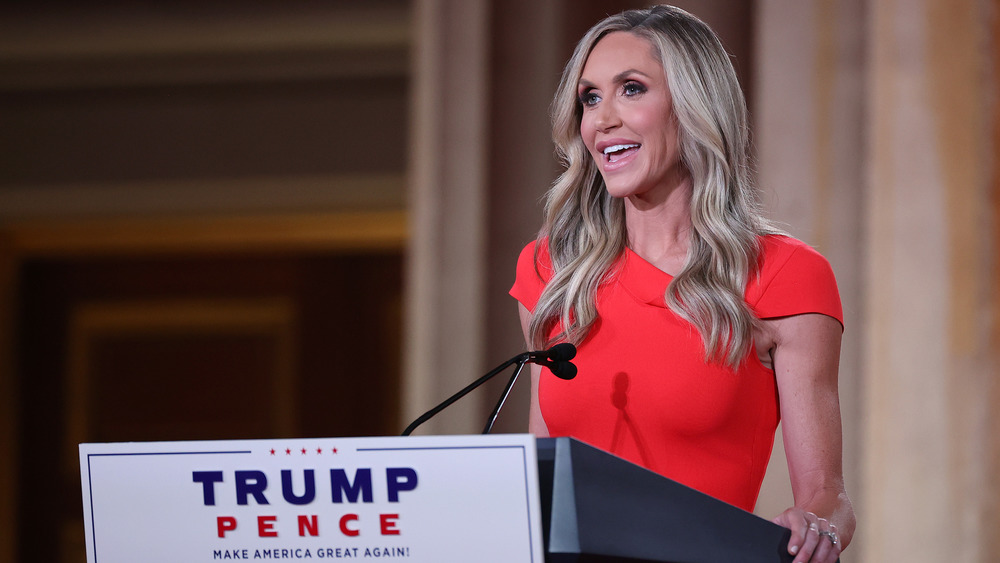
point(874, 131)
point(930, 281)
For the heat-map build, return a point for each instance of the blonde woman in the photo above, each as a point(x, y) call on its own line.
point(698, 324)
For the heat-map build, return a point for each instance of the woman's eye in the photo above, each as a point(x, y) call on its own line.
point(589, 99)
point(633, 88)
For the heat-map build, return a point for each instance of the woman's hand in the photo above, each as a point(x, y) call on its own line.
point(814, 539)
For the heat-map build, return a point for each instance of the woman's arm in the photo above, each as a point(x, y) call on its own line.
point(806, 356)
point(536, 425)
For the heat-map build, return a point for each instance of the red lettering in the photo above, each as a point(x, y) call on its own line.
point(265, 526)
point(343, 525)
point(389, 524)
point(308, 524)
point(226, 524)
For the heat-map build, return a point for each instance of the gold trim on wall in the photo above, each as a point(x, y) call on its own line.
point(93, 321)
point(281, 194)
point(347, 231)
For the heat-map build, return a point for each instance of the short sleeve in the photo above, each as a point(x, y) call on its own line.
point(794, 279)
point(531, 276)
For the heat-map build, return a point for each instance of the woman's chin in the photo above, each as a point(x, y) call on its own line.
point(620, 191)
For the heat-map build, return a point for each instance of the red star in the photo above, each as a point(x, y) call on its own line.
point(303, 451)
point(272, 451)
point(288, 451)
point(319, 450)
point(334, 450)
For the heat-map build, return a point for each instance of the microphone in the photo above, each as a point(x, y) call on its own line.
point(563, 370)
point(562, 352)
point(557, 359)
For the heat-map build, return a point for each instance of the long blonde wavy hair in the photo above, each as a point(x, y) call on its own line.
point(585, 226)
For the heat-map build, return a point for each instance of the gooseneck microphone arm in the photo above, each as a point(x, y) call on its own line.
point(519, 359)
point(557, 359)
point(503, 399)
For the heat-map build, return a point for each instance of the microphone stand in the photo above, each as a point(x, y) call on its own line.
point(503, 399)
point(519, 360)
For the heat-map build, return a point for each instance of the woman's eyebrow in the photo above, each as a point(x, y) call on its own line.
point(619, 78)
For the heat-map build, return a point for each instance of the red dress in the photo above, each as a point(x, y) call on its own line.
point(644, 391)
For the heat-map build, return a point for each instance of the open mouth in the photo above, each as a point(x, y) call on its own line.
point(615, 153)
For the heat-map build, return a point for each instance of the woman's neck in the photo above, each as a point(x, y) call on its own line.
point(659, 230)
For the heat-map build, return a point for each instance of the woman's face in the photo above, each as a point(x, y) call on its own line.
point(628, 123)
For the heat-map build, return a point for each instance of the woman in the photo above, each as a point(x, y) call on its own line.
point(691, 313)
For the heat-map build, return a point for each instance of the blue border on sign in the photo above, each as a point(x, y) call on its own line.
point(524, 463)
point(90, 479)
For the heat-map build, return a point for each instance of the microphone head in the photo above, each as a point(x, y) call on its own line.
point(563, 370)
point(563, 352)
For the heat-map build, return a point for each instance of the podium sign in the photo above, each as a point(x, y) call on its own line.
point(414, 499)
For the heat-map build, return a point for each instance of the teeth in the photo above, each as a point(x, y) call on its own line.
point(616, 148)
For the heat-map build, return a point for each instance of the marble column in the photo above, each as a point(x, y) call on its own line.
point(930, 283)
point(444, 335)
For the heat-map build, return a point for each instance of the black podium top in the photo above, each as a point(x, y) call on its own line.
point(597, 507)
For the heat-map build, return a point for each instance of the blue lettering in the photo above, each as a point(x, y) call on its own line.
point(400, 479)
point(287, 491)
point(250, 483)
point(362, 485)
point(208, 479)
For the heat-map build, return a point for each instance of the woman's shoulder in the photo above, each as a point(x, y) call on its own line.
point(779, 252)
point(793, 277)
point(785, 244)
point(535, 254)
point(534, 269)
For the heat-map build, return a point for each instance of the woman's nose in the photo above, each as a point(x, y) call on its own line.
point(607, 116)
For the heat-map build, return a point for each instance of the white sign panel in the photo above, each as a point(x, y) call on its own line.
point(411, 499)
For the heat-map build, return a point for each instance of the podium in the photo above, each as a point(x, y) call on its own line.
point(597, 507)
point(503, 498)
